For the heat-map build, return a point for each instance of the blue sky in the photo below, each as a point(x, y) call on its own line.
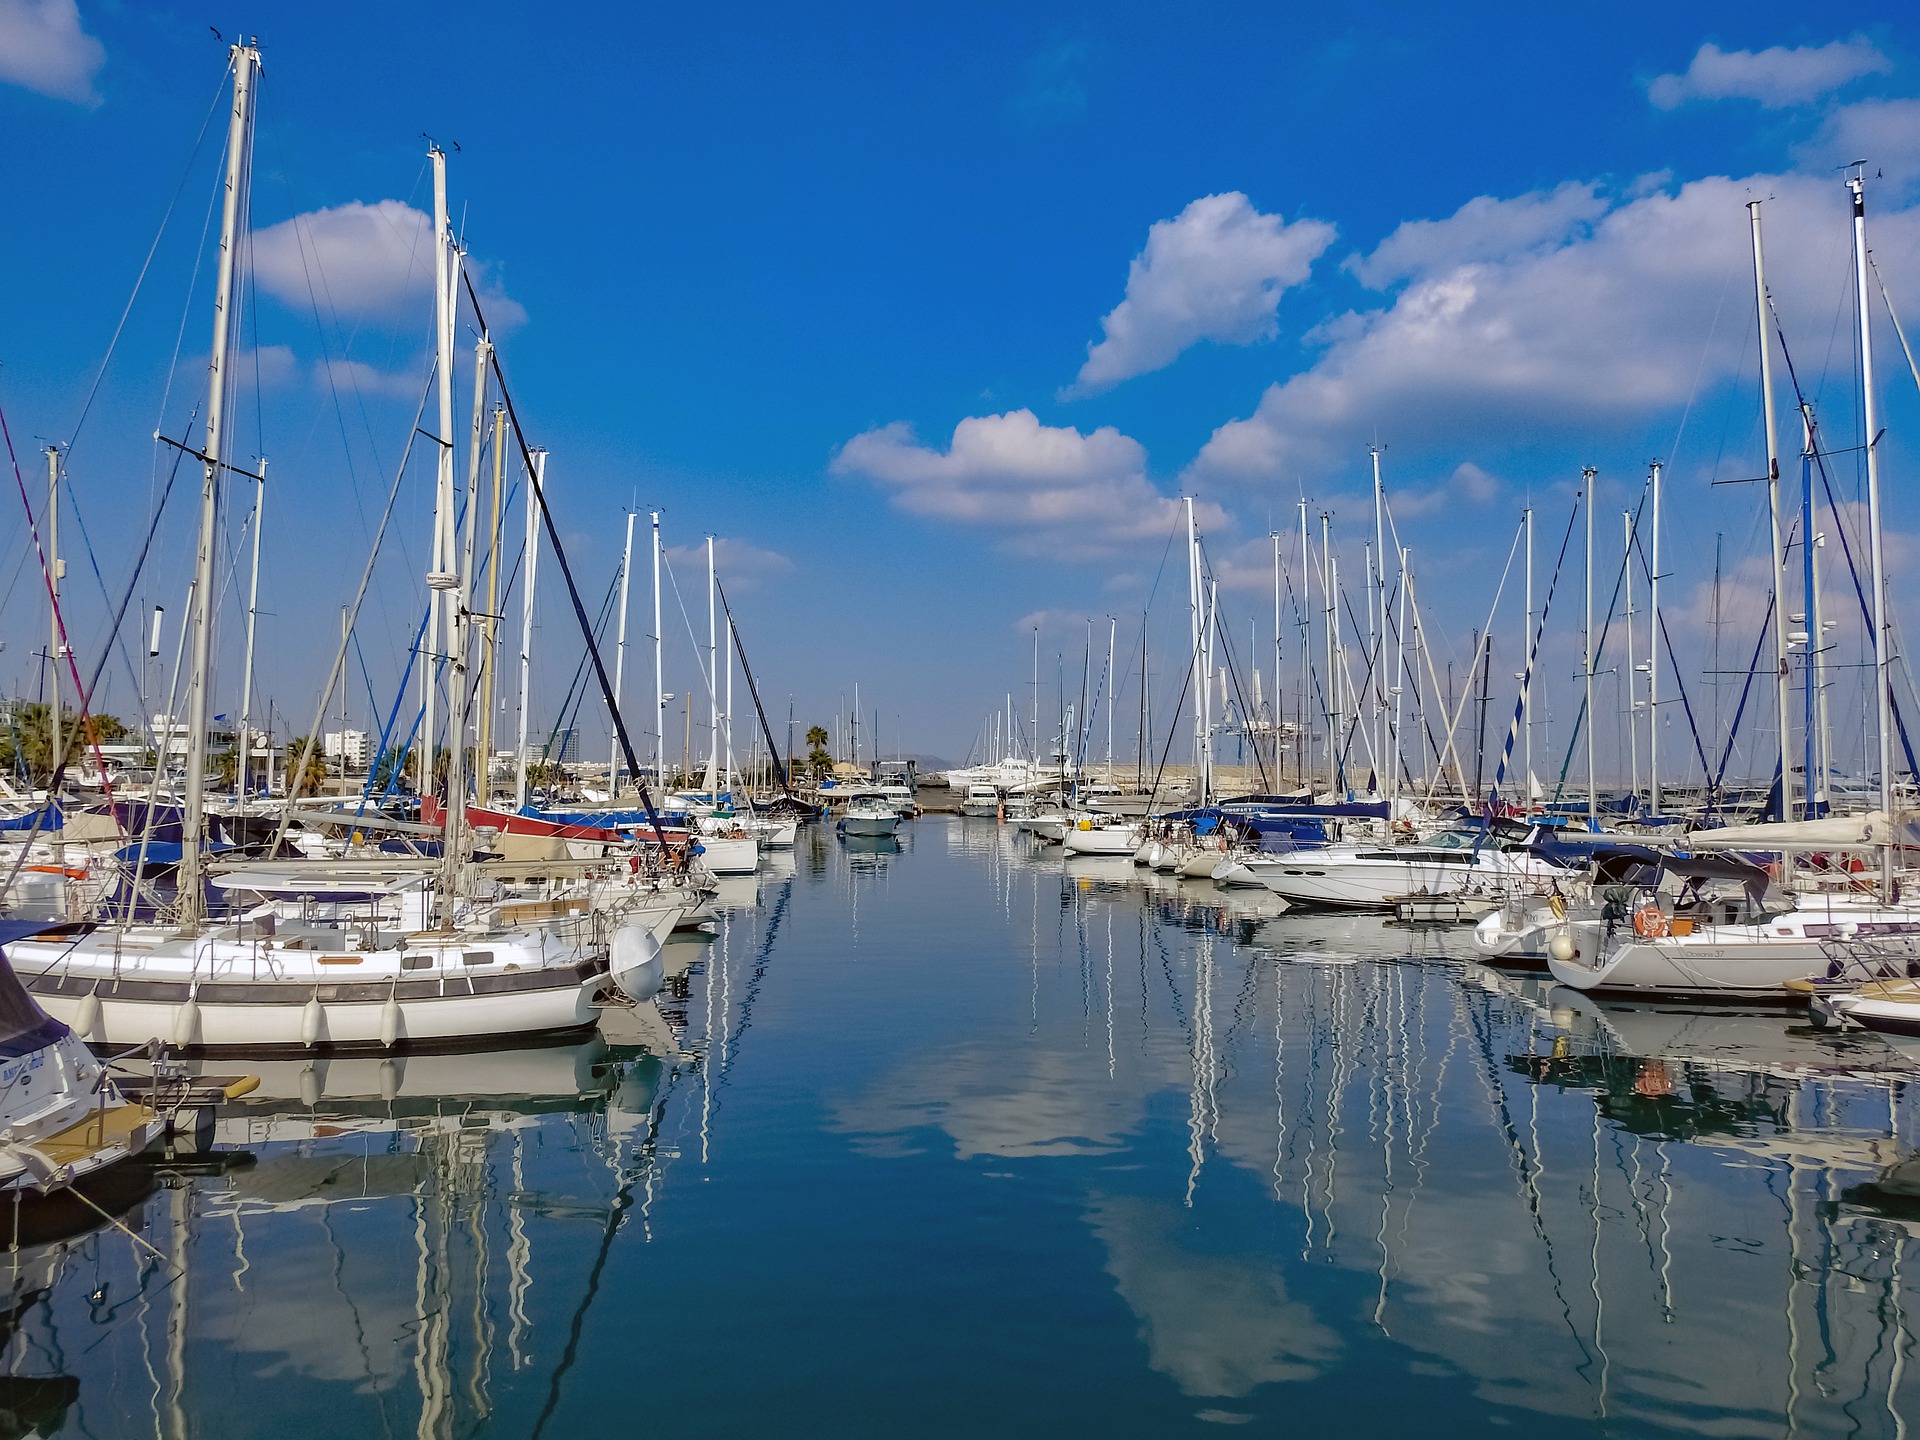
point(929, 312)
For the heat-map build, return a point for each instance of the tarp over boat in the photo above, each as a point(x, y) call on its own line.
point(1835, 832)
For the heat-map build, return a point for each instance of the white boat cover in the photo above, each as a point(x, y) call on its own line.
point(1835, 832)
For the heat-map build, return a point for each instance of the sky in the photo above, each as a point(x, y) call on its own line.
point(932, 315)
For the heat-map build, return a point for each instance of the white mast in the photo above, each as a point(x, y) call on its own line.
point(233, 215)
point(1633, 688)
point(253, 611)
point(1377, 579)
point(1273, 703)
point(1817, 625)
point(1588, 476)
point(1305, 700)
point(1113, 633)
point(1399, 649)
point(537, 488)
point(460, 635)
point(440, 554)
point(1332, 706)
point(1199, 657)
point(1870, 410)
point(55, 571)
point(1653, 653)
point(713, 679)
point(620, 661)
point(1526, 696)
point(659, 670)
point(1777, 588)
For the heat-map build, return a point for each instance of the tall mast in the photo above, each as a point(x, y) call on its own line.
point(1870, 410)
point(1273, 703)
point(660, 670)
point(1526, 675)
point(1305, 694)
point(713, 677)
point(620, 661)
point(537, 487)
point(1778, 589)
point(54, 572)
point(253, 612)
point(1633, 687)
point(460, 635)
point(440, 554)
point(1332, 706)
point(1377, 579)
point(490, 626)
point(1398, 691)
point(1199, 658)
point(1653, 652)
point(1588, 476)
point(1113, 634)
point(1816, 720)
point(233, 215)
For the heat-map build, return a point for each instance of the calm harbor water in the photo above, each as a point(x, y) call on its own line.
point(955, 1138)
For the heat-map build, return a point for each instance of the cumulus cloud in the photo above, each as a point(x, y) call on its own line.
point(358, 260)
point(1046, 489)
point(43, 49)
point(1616, 321)
point(1777, 77)
point(356, 377)
point(1216, 271)
point(1885, 133)
point(1482, 229)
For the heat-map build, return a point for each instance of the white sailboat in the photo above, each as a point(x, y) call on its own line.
point(446, 972)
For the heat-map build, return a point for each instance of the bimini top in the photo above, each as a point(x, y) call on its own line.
point(24, 1026)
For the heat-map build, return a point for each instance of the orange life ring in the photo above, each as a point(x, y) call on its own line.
point(1649, 923)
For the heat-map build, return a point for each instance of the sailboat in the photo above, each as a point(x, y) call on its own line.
point(442, 969)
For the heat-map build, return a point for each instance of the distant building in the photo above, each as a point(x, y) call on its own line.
point(348, 746)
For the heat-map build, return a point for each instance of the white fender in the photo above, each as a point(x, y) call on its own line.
point(635, 963)
point(313, 1020)
point(390, 1022)
point(88, 1020)
point(186, 1020)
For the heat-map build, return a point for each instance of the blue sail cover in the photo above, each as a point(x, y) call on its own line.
point(24, 1026)
point(47, 817)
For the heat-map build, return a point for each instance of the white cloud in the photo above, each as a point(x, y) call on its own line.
point(1777, 77)
point(43, 48)
point(741, 565)
point(358, 259)
point(1216, 271)
point(1568, 340)
point(1482, 229)
point(356, 377)
point(1046, 489)
point(1884, 133)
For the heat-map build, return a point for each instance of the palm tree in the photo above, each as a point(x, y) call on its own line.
point(313, 775)
point(819, 760)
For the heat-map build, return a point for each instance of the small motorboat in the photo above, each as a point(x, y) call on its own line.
point(870, 812)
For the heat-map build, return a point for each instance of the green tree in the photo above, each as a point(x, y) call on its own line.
point(26, 745)
point(313, 775)
point(819, 759)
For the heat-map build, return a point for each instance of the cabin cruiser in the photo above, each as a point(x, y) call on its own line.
point(1467, 860)
point(983, 801)
point(869, 812)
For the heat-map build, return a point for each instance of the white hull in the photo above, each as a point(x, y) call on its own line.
point(729, 857)
point(268, 1025)
point(870, 825)
point(1118, 840)
point(1728, 962)
point(1311, 877)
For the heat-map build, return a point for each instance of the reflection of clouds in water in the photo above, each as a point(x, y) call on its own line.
point(1215, 1325)
point(1021, 1104)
